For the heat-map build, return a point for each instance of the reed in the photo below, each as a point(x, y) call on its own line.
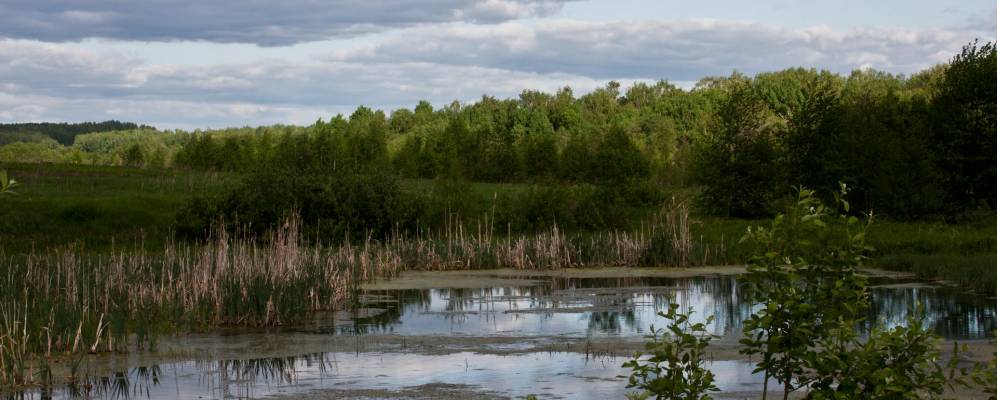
point(66, 302)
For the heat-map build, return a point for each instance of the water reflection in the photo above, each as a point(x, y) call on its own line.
point(586, 307)
point(628, 306)
point(949, 311)
point(140, 382)
point(574, 307)
point(565, 375)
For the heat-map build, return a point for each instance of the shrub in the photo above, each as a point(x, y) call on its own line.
point(675, 368)
point(333, 207)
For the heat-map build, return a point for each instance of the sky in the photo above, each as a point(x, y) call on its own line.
point(183, 64)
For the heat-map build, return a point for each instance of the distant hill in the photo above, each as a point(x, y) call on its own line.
point(62, 132)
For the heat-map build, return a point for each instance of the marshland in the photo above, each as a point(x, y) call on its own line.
point(800, 233)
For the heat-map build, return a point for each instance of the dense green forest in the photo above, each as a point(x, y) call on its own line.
point(909, 147)
point(61, 132)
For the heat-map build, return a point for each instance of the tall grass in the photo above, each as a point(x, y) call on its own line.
point(976, 271)
point(67, 301)
point(664, 240)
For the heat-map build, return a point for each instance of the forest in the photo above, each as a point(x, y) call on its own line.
point(910, 147)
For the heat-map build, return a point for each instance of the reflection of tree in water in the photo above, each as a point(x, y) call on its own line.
point(719, 296)
point(948, 311)
point(135, 383)
point(610, 321)
point(730, 305)
point(398, 303)
point(229, 378)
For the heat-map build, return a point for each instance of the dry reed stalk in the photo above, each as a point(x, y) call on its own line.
point(217, 281)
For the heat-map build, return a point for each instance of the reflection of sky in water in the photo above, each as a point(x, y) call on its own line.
point(588, 307)
point(949, 311)
point(623, 307)
point(627, 307)
point(568, 375)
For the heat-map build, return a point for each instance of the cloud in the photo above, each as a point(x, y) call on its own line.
point(168, 114)
point(676, 50)
point(66, 84)
point(262, 22)
point(439, 62)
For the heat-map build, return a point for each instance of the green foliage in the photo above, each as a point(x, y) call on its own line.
point(95, 207)
point(7, 184)
point(910, 147)
point(900, 363)
point(811, 143)
point(23, 137)
point(618, 159)
point(966, 126)
point(65, 133)
point(805, 280)
point(334, 207)
point(736, 163)
point(674, 365)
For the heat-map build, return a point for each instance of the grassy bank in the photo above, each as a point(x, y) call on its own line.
point(965, 254)
point(95, 207)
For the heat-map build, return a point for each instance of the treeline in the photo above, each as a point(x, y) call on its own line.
point(907, 146)
point(63, 133)
point(136, 148)
point(538, 137)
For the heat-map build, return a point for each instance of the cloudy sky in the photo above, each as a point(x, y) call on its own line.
point(217, 63)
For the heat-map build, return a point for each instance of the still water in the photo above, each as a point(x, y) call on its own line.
point(556, 375)
point(570, 308)
point(627, 307)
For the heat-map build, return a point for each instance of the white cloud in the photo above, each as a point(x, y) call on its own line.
point(677, 50)
point(90, 86)
point(439, 62)
point(262, 22)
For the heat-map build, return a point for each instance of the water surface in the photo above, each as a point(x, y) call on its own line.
point(553, 307)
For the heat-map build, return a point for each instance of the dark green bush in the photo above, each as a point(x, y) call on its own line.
point(333, 207)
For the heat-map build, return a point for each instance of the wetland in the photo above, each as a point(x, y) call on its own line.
point(488, 334)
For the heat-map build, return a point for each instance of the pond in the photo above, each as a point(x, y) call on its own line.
point(553, 336)
point(629, 306)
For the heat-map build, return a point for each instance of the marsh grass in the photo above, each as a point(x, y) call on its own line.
point(976, 271)
point(68, 302)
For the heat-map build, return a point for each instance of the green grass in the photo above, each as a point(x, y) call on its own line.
point(964, 253)
point(976, 271)
point(975, 237)
point(95, 207)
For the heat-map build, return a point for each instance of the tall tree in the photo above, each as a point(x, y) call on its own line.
point(736, 163)
point(966, 126)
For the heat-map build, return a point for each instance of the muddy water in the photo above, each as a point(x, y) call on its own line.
point(486, 335)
